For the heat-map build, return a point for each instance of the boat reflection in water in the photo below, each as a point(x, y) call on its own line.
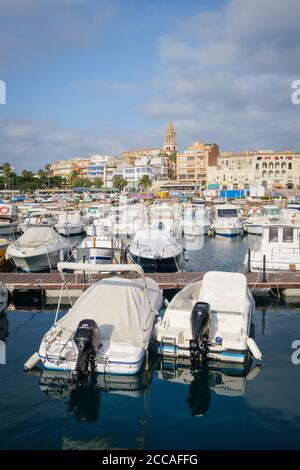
point(221, 378)
point(84, 402)
point(124, 422)
point(3, 335)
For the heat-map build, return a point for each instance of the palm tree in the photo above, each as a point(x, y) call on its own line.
point(6, 168)
point(145, 183)
point(172, 158)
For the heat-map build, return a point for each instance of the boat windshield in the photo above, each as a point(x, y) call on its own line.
point(227, 212)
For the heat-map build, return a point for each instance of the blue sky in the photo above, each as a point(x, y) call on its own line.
point(103, 76)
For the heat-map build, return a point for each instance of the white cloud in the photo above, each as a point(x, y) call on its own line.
point(227, 75)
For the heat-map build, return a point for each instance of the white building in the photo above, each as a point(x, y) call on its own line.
point(133, 174)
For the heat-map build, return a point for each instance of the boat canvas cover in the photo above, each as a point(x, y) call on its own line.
point(120, 307)
point(36, 236)
point(225, 292)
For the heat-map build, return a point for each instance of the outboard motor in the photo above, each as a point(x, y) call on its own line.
point(200, 329)
point(87, 340)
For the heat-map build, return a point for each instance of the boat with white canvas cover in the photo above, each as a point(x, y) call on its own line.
point(108, 329)
point(9, 223)
point(38, 249)
point(209, 319)
point(70, 223)
point(280, 244)
point(227, 221)
point(156, 250)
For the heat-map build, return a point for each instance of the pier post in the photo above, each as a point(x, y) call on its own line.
point(249, 261)
point(112, 250)
point(83, 272)
point(264, 279)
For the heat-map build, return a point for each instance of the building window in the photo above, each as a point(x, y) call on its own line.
point(290, 166)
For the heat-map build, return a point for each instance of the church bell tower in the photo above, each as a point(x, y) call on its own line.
point(170, 145)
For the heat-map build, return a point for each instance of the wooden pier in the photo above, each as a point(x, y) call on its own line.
point(53, 281)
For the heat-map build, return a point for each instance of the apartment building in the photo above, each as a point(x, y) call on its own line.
point(193, 164)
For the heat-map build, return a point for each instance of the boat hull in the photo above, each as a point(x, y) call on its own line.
point(37, 263)
point(228, 355)
point(109, 367)
point(160, 265)
point(227, 231)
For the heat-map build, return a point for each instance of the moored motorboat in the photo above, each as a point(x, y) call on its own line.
point(209, 319)
point(8, 219)
point(227, 222)
point(109, 327)
point(70, 223)
point(156, 250)
point(38, 249)
point(278, 250)
point(4, 242)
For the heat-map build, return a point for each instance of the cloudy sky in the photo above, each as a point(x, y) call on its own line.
point(103, 76)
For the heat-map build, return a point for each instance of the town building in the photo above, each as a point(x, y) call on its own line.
point(242, 170)
point(193, 164)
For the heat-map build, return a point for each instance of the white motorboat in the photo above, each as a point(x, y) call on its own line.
point(38, 249)
point(37, 218)
point(227, 222)
point(97, 249)
point(70, 223)
point(109, 327)
point(9, 224)
point(254, 223)
point(165, 217)
point(127, 220)
point(156, 250)
point(100, 228)
point(280, 244)
point(96, 211)
point(209, 319)
point(195, 221)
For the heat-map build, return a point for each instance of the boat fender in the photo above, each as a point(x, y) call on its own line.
point(254, 349)
point(32, 361)
point(254, 372)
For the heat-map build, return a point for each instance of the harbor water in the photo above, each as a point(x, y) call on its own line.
point(168, 406)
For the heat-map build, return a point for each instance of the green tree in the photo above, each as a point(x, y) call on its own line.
point(172, 158)
point(98, 183)
point(145, 183)
point(26, 174)
point(119, 182)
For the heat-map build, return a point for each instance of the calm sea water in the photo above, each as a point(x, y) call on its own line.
point(168, 406)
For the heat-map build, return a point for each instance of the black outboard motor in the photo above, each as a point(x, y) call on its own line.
point(87, 340)
point(200, 329)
